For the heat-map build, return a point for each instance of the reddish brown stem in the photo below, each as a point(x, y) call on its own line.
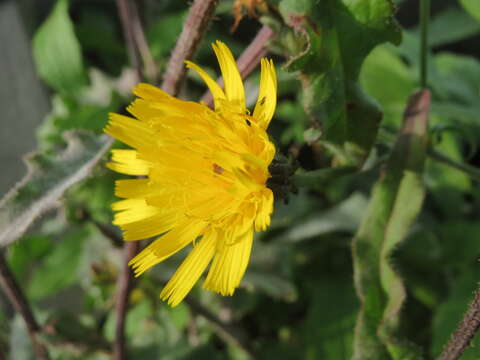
point(124, 286)
point(131, 25)
point(124, 8)
point(195, 26)
point(248, 61)
point(15, 295)
point(141, 44)
point(465, 331)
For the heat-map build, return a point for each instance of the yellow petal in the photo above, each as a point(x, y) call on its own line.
point(156, 112)
point(229, 265)
point(184, 233)
point(265, 209)
point(133, 188)
point(132, 210)
point(126, 162)
point(150, 92)
point(231, 76)
point(130, 131)
point(190, 270)
point(267, 95)
point(151, 226)
point(215, 89)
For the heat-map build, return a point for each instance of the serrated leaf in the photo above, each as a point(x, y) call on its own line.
point(395, 202)
point(333, 39)
point(57, 53)
point(48, 177)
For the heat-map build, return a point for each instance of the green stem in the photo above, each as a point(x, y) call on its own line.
point(471, 171)
point(424, 19)
point(316, 178)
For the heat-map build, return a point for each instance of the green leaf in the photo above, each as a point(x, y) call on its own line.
point(328, 330)
point(343, 217)
point(333, 39)
point(272, 284)
point(318, 179)
point(459, 77)
point(395, 202)
point(25, 253)
point(448, 186)
point(459, 25)
point(48, 177)
point(61, 268)
point(472, 7)
point(388, 79)
point(57, 53)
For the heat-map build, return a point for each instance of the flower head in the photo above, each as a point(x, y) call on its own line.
point(205, 174)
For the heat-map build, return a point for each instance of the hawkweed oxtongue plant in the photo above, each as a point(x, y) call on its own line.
point(205, 177)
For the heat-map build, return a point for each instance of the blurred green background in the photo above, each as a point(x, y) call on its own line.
point(297, 300)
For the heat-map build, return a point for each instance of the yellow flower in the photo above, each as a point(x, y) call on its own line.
point(205, 177)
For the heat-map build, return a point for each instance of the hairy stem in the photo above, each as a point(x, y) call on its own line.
point(15, 295)
point(465, 331)
point(248, 61)
point(195, 26)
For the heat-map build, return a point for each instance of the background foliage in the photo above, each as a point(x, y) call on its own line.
point(407, 201)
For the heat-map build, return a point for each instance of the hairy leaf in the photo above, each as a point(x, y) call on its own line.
point(395, 202)
point(48, 177)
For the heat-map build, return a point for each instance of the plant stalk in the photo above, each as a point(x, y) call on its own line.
point(424, 47)
point(20, 303)
point(199, 16)
point(465, 331)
